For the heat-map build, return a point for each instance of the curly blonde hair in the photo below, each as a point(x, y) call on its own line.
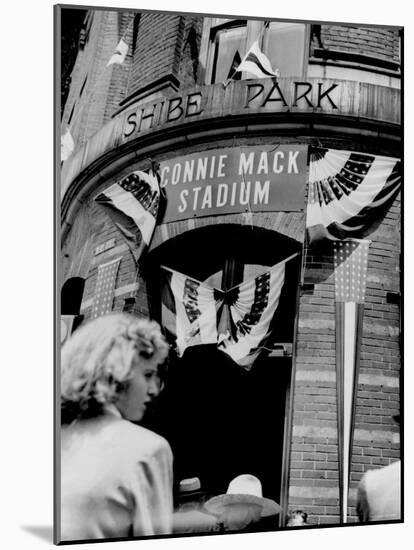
point(96, 362)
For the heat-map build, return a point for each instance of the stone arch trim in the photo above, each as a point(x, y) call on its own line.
point(290, 224)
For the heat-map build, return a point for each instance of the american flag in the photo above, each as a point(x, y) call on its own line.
point(132, 204)
point(350, 262)
point(347, 191)
point(105, 288)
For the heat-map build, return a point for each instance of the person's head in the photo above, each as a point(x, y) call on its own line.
point(111, 360)
point(190, 495)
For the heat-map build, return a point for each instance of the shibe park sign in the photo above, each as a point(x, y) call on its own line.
point(233, 180)
point(243, 97)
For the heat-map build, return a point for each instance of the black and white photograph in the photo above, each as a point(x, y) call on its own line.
point(229, 316)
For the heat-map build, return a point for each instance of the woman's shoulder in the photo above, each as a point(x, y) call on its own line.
point(126, 434)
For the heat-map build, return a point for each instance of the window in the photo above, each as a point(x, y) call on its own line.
point(229, 44)
point(135, 28)
point(284, 45)
point(226, 41)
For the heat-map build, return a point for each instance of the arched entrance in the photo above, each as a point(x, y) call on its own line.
point(221, 419)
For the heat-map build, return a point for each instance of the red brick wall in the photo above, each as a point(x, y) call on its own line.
point(159, 45)
point(105, 86)
point(314, 484)
point(188, 67)
point(161, 48)
point(120, 73)
point(376, 42)
point(93, 222)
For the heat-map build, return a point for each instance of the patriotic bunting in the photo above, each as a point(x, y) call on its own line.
point(252, 305)
point(256, 63)
point(350, 261)
point(120, 53)
point(237, 320)
point(132, 204)
point(190, 312)
point(347, 191)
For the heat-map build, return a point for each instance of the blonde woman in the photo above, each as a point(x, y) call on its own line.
point(116, 476)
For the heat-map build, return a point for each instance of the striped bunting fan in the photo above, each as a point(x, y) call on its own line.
point(189, 310)
point(237, 320)
point(347, 192)
point(132, 204)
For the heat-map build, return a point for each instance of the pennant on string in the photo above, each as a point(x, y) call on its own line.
point(120, 53)
point(67, 145)
point(347, 192)
point(132, 204)
point(256, 63)
point(350, 261)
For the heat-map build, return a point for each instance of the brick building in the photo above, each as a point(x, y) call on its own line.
point(339, 88)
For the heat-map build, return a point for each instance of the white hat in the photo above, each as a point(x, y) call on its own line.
point(243, 489)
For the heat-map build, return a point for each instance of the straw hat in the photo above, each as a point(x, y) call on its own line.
point(244, 489)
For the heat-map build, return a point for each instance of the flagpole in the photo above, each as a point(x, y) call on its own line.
point(339, 341)
point(350, 259)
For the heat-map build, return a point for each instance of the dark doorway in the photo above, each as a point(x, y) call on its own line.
point(220, 419)
point(71, 296)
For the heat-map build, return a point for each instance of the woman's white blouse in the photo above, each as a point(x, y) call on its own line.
point(116, 480)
